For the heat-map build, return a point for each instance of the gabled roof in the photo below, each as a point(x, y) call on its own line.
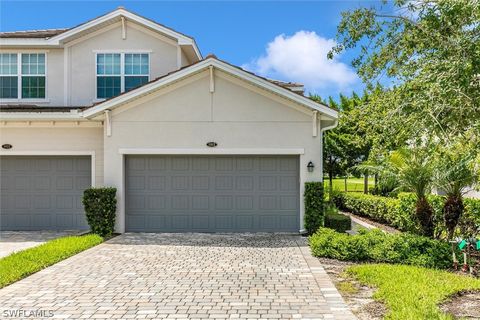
point(56, 37)
point(209, 61)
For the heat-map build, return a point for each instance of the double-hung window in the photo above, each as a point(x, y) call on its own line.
point(120, 72)
point(22, 76)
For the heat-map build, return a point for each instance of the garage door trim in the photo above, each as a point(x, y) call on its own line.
point(56, 153)
point(213, 151)
point(299, 215)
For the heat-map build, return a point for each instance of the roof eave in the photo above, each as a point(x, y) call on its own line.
point(125, 98)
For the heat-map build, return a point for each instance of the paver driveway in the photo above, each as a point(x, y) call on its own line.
point(13, 241)
point(157, 276)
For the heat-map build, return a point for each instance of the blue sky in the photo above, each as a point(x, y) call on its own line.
point(284, 40)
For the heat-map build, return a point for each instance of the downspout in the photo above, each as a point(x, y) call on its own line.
point(303, 231)
point(334, 125)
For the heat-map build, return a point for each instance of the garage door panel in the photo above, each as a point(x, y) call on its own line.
point(64, 183)
point(43, 192)
point(155, 222)
point(82, 183)
point(180, 222)
point(41, 220)
point(200, 182)
point(157, 182)
point(157, 202)
point(245, 202)
point(42, 202)
point(200, 202)
point(201, 222)
point(212, 193)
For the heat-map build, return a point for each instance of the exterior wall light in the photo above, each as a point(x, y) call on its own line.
point(310, 166)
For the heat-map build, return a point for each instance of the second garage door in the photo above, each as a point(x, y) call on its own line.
point(43, 192)
point(212, 193)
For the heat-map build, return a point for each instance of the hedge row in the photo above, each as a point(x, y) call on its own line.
point(378, 246)
point(314, 206)
point(400, 212)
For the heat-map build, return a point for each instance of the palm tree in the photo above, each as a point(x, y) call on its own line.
point(414, 171)
point(455, 171)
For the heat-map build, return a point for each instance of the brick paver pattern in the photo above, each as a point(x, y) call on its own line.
point(13, 241)
point(183, 276)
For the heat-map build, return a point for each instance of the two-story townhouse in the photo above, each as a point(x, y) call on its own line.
point(190, 143)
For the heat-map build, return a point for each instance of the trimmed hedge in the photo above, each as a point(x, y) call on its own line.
point(314, 206)
point(338, 222)
point(400, 212)
point(378, 246)
point(100, 207)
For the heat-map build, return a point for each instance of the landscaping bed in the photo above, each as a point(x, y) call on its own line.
point(26, 262)
point(412, 287)
point(382, 291)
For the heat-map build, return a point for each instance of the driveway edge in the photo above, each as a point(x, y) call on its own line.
point(338, 307)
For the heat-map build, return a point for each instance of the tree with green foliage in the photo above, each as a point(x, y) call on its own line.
point(344, 146)
point(430, 50)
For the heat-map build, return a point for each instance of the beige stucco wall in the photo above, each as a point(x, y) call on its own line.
point(77, 87)
point(187, 116)
point(38, 138)
point(82, 82)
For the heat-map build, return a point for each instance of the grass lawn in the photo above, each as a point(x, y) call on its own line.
point(412, 292)
point(353, 184)
point(23, 263)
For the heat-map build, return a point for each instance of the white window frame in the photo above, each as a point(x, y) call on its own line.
point(19, 78)
point(122, 68)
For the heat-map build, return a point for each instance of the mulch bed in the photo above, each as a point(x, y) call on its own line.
point(464, 305)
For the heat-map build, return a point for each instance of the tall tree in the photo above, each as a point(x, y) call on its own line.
point(346, 145)
point(430, 50)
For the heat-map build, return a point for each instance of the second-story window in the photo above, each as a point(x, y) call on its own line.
point(22, 75)
point(120, 72)
point(33, 75)
point(8, 76)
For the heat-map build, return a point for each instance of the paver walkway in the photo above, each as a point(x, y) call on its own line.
point(194, 276)
point(12, 241)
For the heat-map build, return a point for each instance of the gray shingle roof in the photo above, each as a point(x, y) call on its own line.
point(47, 33)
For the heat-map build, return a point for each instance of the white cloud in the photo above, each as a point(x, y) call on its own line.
point(303, 58)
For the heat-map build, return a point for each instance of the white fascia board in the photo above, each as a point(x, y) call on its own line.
point(25, 42)
point(111, 104)
point(47, 116)
point(56, 41)
point(276, 89)
point(213, 151)
point(181, 39)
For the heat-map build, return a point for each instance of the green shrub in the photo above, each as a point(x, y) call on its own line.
point(336, 221)
point(100, 206)
point(400, 212)
point(378, 246)
point(382, 209)
point(469, 222)
point(23, 263)
point(314, 214)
